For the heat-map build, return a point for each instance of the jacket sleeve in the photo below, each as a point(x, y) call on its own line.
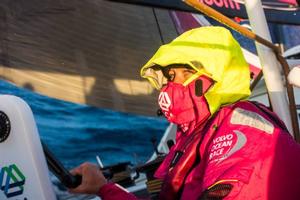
point(112, 191)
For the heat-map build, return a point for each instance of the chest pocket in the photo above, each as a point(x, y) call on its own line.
point(217, 191)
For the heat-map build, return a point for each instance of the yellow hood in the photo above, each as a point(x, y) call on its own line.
point(211, 51)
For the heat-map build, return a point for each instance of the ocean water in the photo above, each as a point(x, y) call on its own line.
point(77, 133)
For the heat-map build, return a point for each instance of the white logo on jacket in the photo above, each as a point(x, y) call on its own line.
point(226, 145)
point(164, 101)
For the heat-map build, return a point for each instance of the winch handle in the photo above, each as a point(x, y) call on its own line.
point(57, 168)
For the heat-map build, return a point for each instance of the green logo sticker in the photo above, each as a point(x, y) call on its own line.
point(11, 181)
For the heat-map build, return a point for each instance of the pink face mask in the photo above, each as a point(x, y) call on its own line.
point(185, 105)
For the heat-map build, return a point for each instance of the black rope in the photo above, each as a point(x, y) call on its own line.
point(158, 26)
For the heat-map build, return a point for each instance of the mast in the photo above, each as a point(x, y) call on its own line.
point(271, 69)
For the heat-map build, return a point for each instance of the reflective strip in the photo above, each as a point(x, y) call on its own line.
point(193, 77)
point(252, 119)
point(222, 181)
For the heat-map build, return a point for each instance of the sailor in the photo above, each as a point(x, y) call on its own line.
point(226, 147)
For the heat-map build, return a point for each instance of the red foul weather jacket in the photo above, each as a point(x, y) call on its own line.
point(243, 152)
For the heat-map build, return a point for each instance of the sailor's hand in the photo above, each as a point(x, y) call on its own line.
point(92, 179)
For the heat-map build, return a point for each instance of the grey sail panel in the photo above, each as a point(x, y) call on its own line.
point(83, 51)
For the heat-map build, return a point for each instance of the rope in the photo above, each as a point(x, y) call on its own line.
point(154, 186)
point(158, 26)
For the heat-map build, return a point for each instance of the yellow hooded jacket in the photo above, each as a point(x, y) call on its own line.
point(211, 51)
